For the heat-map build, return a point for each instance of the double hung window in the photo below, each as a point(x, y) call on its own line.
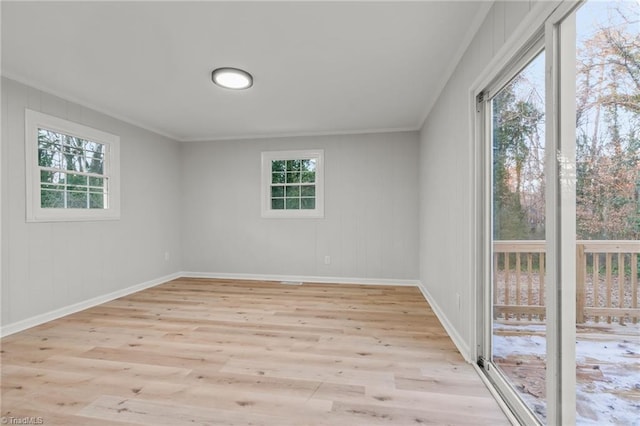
point(72, 170)
point(292, 183)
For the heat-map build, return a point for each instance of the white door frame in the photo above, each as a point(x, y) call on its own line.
point(555, 23)
point(560, 170)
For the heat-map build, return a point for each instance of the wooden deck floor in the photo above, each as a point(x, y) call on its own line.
point(221, 352)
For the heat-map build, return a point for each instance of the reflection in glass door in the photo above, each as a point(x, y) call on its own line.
point(518, 330)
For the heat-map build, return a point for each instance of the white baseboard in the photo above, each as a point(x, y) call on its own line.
point(301, 278)
point(15, 327)
point(462, 346)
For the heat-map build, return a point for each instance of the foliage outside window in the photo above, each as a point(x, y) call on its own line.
point(607, 134)
point(292, 184)
point(71, 170)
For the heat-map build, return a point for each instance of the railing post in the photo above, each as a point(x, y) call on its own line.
point(581, 275)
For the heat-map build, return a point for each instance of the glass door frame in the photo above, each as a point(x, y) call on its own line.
point(534, 47)
point(560, 46)
point(555, 32)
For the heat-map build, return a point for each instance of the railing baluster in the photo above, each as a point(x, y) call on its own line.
point(495, 283)
point(542, 273)
point(507, 284)
point(621, 286)
point(529, 280)
point(518, 316)
point(608, 281)
point(596, 283)
point(581, 274)
point(634, 284)
point(609, 298)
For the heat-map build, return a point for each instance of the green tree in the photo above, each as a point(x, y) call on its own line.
point(516, 122)
point(608, 128)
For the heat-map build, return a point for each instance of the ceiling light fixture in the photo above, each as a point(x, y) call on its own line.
point(232, 78)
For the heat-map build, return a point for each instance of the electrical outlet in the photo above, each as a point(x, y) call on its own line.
point(458, 300)
point(166, 256)
point(327, 260)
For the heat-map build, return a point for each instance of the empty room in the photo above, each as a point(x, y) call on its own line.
point(320, 212)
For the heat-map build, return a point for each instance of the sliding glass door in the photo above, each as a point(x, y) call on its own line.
point(560, 128)
point(607, 212)
point(516, 131)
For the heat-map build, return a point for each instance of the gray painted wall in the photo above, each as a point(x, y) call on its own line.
point(195, 201)
point(48, 266)
point(446, 181)
point(201, 203)
point(371, 210)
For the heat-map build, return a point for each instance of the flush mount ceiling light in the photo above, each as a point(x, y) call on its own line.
point(232, 78)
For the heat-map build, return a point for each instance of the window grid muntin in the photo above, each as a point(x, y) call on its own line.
point(290, 176)
point(274, 207)
point(67, 150)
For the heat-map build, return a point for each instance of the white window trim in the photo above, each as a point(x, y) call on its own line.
point(267, 158)
point(34, 211)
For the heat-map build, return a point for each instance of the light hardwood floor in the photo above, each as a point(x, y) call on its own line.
point(222, 352)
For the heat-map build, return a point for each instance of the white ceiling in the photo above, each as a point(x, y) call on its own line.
point(319, 67)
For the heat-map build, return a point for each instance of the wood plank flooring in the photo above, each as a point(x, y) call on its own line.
point(222, 352)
